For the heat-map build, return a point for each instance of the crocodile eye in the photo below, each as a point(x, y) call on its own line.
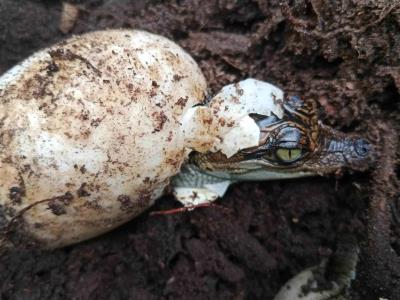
point(288, 155)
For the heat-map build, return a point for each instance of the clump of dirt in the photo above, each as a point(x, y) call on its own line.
point(345, 55)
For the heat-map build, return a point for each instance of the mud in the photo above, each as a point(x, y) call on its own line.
point(344, 55)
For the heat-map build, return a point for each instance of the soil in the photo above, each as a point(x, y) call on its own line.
point(343, 54)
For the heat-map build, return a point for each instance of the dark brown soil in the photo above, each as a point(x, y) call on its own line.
point(344, 54)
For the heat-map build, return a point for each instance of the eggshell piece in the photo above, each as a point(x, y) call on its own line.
point(293, 289)
point(249, 96)
point(225, 125)
point(90, 133)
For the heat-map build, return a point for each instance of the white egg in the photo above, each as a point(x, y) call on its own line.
point(91, 133)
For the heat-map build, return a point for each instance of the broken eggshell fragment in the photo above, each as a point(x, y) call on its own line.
point(224, 124)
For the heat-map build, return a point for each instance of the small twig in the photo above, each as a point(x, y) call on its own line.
point(185, 209)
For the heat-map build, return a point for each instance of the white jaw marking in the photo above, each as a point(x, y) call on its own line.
point(194, 196)
point(193, 187)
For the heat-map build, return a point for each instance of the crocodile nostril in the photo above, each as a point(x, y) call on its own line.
point(362, 147)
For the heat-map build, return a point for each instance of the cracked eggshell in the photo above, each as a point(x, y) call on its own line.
point(90, 133)
point(225, 125)
point(234, 103)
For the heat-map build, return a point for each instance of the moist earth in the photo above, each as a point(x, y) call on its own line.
point(343, 54)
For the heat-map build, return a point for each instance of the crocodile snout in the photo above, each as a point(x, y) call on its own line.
point(341, 150)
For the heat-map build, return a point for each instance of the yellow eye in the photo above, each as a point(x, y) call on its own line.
point(288, 155)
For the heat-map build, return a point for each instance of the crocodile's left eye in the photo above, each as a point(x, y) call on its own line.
point(288, 155)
